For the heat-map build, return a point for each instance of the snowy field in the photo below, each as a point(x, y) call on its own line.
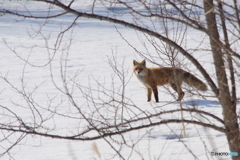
point(84, 54)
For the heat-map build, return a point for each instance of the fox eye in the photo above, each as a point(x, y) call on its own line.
point(138, 69)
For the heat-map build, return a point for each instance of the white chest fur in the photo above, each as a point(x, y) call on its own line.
point(141, 78)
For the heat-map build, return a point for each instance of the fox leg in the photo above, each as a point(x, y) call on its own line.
point(155, 91)
point(178, 90)
point(149, 94)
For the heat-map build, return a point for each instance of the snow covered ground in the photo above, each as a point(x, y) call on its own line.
point(92, 44)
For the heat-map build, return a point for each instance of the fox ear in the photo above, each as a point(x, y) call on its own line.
point(144, 62)
point(135, 62)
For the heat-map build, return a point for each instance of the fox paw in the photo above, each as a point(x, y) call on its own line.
point(180, 96)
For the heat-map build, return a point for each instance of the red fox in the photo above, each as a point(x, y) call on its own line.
point(153, 77)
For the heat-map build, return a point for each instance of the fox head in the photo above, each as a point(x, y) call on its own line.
point(139, 68)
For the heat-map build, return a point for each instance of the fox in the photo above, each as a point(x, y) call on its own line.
point(159, 76)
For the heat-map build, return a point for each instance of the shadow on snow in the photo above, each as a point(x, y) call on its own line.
point(196, 103)
point(200, 102)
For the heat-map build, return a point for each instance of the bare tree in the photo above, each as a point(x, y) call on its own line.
point(227, 100)
point(105, 115)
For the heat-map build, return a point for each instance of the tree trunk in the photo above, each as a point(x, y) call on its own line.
point(224, 97)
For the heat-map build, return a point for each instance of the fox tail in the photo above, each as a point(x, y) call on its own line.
point(194, 81)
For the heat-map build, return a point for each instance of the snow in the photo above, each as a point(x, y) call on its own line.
point(92, 44)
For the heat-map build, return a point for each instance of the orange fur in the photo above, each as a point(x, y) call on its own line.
point(153, 77)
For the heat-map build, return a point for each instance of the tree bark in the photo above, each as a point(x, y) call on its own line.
point(229, 56)
point(225, 99)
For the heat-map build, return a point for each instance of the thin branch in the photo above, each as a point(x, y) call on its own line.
point(106, 134)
